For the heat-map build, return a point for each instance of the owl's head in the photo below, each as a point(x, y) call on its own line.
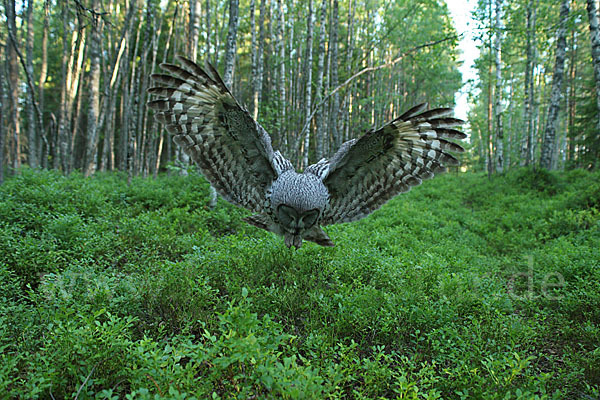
point(296, 221)
point(298, 201)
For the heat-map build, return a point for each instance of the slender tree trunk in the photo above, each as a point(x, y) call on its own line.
point(509, 125)
point(194, 28)
point(111, 88)
point(320, 135)
point(334, 80)
point(76, 154)
point(208, 30)
point(549, 144)
point(490, 102)
point(143, 80)
point(280, 50)
point(44, 150)
point(572, 100)
point(91, 153)
point(308, 74)
point(3, 102)
point(527, 141)
point(71, 66)
point(13, 82)
point(32, 146)
point(231, 43)
point(499, 156)
point(592, 9)
point(254, 56)
point(258, 63)
point(350, 40)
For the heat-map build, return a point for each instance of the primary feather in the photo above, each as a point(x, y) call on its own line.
point(235, 154)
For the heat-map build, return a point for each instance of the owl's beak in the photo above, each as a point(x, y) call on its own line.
point(293, 240)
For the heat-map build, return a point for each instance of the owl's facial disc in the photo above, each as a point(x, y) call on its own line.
point(294, 221)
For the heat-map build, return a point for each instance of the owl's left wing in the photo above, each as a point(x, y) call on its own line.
point(232, 150)
point(367, 172)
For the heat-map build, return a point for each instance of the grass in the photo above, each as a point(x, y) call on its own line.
point(463, 288)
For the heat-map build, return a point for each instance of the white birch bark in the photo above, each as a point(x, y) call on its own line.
point(308, 87)
point(91, 152)
point(592, 9)
point(549, 144)
point(499, 155)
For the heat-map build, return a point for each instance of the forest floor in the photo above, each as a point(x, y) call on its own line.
point(464, 287)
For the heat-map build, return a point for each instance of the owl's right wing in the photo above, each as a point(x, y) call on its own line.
point(367, 172)
point(232, 150)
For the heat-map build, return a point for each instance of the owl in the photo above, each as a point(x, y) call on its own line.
point(235, 154)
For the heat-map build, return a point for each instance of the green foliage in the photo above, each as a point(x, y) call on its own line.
point(463, 288)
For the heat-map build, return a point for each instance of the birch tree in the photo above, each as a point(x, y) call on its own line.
point(3, 102)
point(258, 62)
point(13, 83)
point(308, 84)
point(319, 134)
point(32, 147)
point(527, 141)
point(592, 9)
point(231, 45)
point(549, 144)
point(91, 152)
point(334, 80)
point(280, 50)
point(42, 81)
point(499, 155)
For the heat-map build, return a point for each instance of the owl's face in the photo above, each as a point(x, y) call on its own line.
point(294, 221)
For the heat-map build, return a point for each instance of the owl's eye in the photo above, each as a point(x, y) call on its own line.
point(287, 214)
point(310, 217)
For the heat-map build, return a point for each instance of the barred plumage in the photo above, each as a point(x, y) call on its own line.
point(235, 154)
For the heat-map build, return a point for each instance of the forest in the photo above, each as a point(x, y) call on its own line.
point(315, 74)
point(123, 276)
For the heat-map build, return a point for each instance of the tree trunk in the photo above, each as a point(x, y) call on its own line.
point(527, 141)
point(2, 101)
point(231, 43)
point(350, 40)
point(91, 152)
point(320, 135)
point(549, 145)
point(13, 82)
point(308, 74)
point(499, 155)
point(208, 30)
point(44, 150)
point(490, 103)
point(572, 100)
point(592, 9)
point(70, 70)
point(194, 28)
point(111, 88)
point(32, 146)
point(334, 80)
point(280, 50)
point(254, 56)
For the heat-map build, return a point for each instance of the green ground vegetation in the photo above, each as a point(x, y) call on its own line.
point(463, 288)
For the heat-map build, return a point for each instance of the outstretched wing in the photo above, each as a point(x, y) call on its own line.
point(232, 150)
point(367, 172)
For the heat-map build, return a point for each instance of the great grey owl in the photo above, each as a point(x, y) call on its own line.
point(235, 154)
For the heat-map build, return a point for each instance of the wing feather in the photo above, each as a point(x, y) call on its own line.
point(232, 150)
point(367, 172)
